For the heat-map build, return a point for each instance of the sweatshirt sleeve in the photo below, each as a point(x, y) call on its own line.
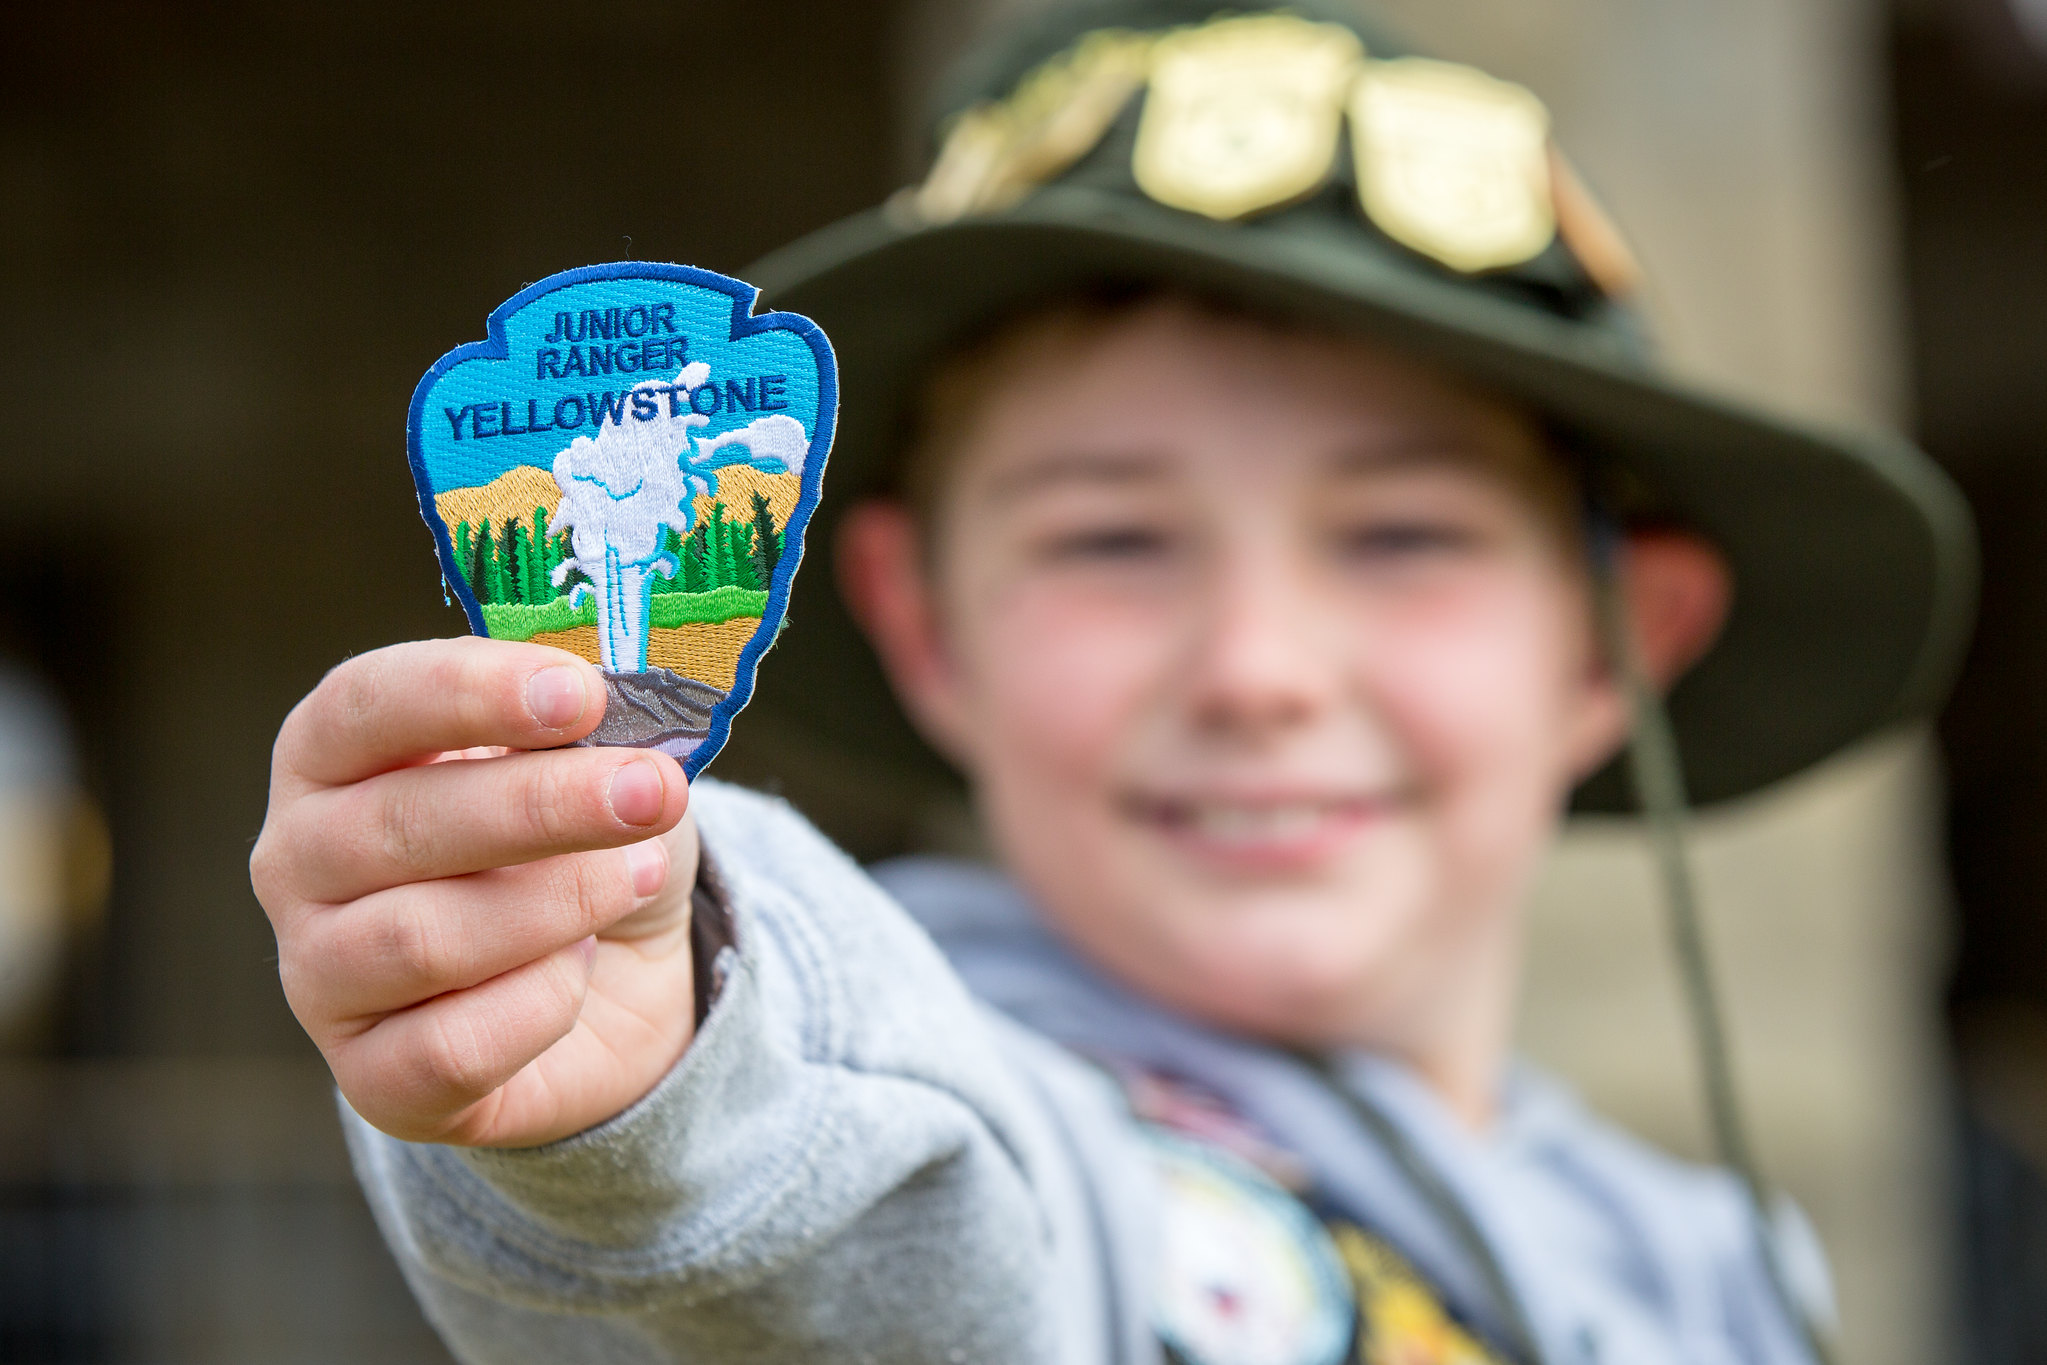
point(848, 1164)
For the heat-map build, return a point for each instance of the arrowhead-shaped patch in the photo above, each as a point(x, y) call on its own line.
point(625, 468)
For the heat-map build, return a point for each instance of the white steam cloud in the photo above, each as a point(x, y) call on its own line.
point(626, 487)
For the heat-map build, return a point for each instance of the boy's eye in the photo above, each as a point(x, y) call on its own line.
point(1107, 543)
point(1399, 541)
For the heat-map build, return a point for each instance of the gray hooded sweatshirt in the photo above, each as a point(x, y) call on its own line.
point(896, 1138)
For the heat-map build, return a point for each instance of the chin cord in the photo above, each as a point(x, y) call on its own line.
point(1515, 1323)
point(1657, 773)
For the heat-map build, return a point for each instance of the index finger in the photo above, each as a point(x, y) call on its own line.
point(403, 703)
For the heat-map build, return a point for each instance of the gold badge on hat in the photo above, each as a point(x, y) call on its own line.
point(1453, 163)
point(1243, 114)
point(997, 153)
point(967, 162)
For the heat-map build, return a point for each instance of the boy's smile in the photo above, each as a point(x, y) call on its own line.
point(1270, 831)
point(1269, 658)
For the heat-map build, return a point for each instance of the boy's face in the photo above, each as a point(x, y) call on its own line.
point(1269, 671)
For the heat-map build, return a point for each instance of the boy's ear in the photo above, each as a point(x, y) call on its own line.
point(1678, 593)
point(1678, 590)
point(879, 552)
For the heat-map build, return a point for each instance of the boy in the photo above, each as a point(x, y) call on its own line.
point(1238, 558)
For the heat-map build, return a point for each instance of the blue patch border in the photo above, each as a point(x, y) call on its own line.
point(744, 323)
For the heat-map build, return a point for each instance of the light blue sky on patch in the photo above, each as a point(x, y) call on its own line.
point(703, 315)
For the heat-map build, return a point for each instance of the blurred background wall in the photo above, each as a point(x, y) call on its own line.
point(231, 239)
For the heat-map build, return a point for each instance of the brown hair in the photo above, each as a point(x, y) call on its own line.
point(1552, 482)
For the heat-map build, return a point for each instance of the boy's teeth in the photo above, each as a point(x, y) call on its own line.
point(1245, 824)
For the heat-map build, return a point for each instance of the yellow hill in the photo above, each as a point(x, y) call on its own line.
point(514, 493)
point(738, 483)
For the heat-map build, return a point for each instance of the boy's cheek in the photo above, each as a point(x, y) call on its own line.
point(1053, 677)
point(1493, 690)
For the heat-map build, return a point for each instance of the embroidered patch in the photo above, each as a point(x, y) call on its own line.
point(1402, 1320)
point(624, 469)
point(1249, 1277)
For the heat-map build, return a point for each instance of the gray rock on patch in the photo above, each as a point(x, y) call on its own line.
point(642, 710)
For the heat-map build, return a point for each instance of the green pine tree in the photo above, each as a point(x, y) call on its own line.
point(464, 555)
point(500, 567)
point(514, 552)
point(721, 553)
point(696, 568)
point(767, 542)
point(528, 561)
point(484, 581)
point(537, 586)
point(516, 560)
point(741, 542)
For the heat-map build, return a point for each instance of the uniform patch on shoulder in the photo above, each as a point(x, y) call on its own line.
point(1403, 1320)
point(624, 469)
point(1249, 1276)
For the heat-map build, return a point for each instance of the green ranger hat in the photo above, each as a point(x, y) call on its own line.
point(1300, 162)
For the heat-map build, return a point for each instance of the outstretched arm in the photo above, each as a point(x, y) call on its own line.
point(847, 1164)
point(849, 1157)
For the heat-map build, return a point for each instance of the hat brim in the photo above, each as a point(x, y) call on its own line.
point(1852, 555)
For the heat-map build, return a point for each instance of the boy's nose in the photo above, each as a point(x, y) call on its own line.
point(1259, 661)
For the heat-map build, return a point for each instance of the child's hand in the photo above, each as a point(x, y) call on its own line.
point(435, 888)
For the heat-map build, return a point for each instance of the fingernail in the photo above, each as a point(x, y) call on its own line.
point(648, 864)
point(636, 793)
point(556, 697)
point(588, 948)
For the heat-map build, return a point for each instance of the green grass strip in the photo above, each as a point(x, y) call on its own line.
point(517, 621)
point(719, 604)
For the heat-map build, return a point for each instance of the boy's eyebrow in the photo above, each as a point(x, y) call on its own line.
point(1400, 453)
point(1078, 466)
